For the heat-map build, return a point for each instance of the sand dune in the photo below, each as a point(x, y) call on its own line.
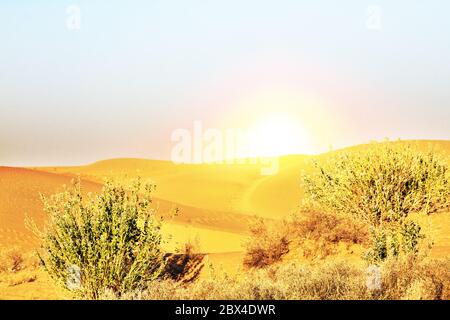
point(224, 188)
point(219, 197)
point(216, 202)
point(19, 196)
point(211, 187)
point(220, 188)
point(211, 198)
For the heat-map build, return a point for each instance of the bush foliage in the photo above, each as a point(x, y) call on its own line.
point(318, 234)
point(267, 244)
point(110, 241)
point(382, 186)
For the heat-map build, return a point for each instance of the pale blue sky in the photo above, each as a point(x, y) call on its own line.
point(137, 70)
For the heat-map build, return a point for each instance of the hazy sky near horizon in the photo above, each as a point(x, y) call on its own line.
point(348, 71)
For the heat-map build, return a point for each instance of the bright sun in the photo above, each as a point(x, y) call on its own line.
point(278, 134)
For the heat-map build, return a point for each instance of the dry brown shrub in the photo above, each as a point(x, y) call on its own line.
point(11, 260)
point(329, 227)
point(410, 278)
point(317, 233)
point(416, 278)
point(282, 282)
point(17, 267)
point(267, 244)
point(186, 264)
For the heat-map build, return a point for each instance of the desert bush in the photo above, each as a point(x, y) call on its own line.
point(408, 277)
point(11, 260)
point(382, 186)
point(326, 281)
point(186, 264)
point(414, 277)
point(109, 241)
point(328, 227)
point(283, 282)
point(268, 243)
point(317, 233)
point(17, 267)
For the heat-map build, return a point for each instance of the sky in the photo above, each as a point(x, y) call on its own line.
point(82, 81)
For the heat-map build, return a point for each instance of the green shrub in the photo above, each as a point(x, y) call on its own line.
point(110, 241)
point(383, 183)
point(382, 186)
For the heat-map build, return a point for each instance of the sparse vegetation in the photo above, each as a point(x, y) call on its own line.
point(108, 246)
point(284, 281)
point(382, 186)
point(317, 233)
point(406, 278)
point(415, 277)
point(185, 265)
point(11, 260)
point(328, 227)
point(110, 241)
point(364, 198)
point(267, 244)
point(320, 234)
point(16, 268)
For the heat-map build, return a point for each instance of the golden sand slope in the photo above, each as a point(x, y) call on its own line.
point(216, 202)
point(224, 188)
point(238, 189)
point(218, 197)
point(19, 196)
point(211, 187)
point(217, 188)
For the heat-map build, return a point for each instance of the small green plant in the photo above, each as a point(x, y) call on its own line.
point(411, 235)
point(382, 186)
point(379, 249)
point(109, 241)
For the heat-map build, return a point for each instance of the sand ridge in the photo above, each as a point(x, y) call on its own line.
point(216, 202)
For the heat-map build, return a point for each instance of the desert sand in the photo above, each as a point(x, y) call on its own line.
point(216, 205)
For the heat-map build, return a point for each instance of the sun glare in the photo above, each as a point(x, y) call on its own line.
point(278, 134)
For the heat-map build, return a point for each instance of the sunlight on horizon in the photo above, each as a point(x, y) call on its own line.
point(278, 134)
point(102, 79)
